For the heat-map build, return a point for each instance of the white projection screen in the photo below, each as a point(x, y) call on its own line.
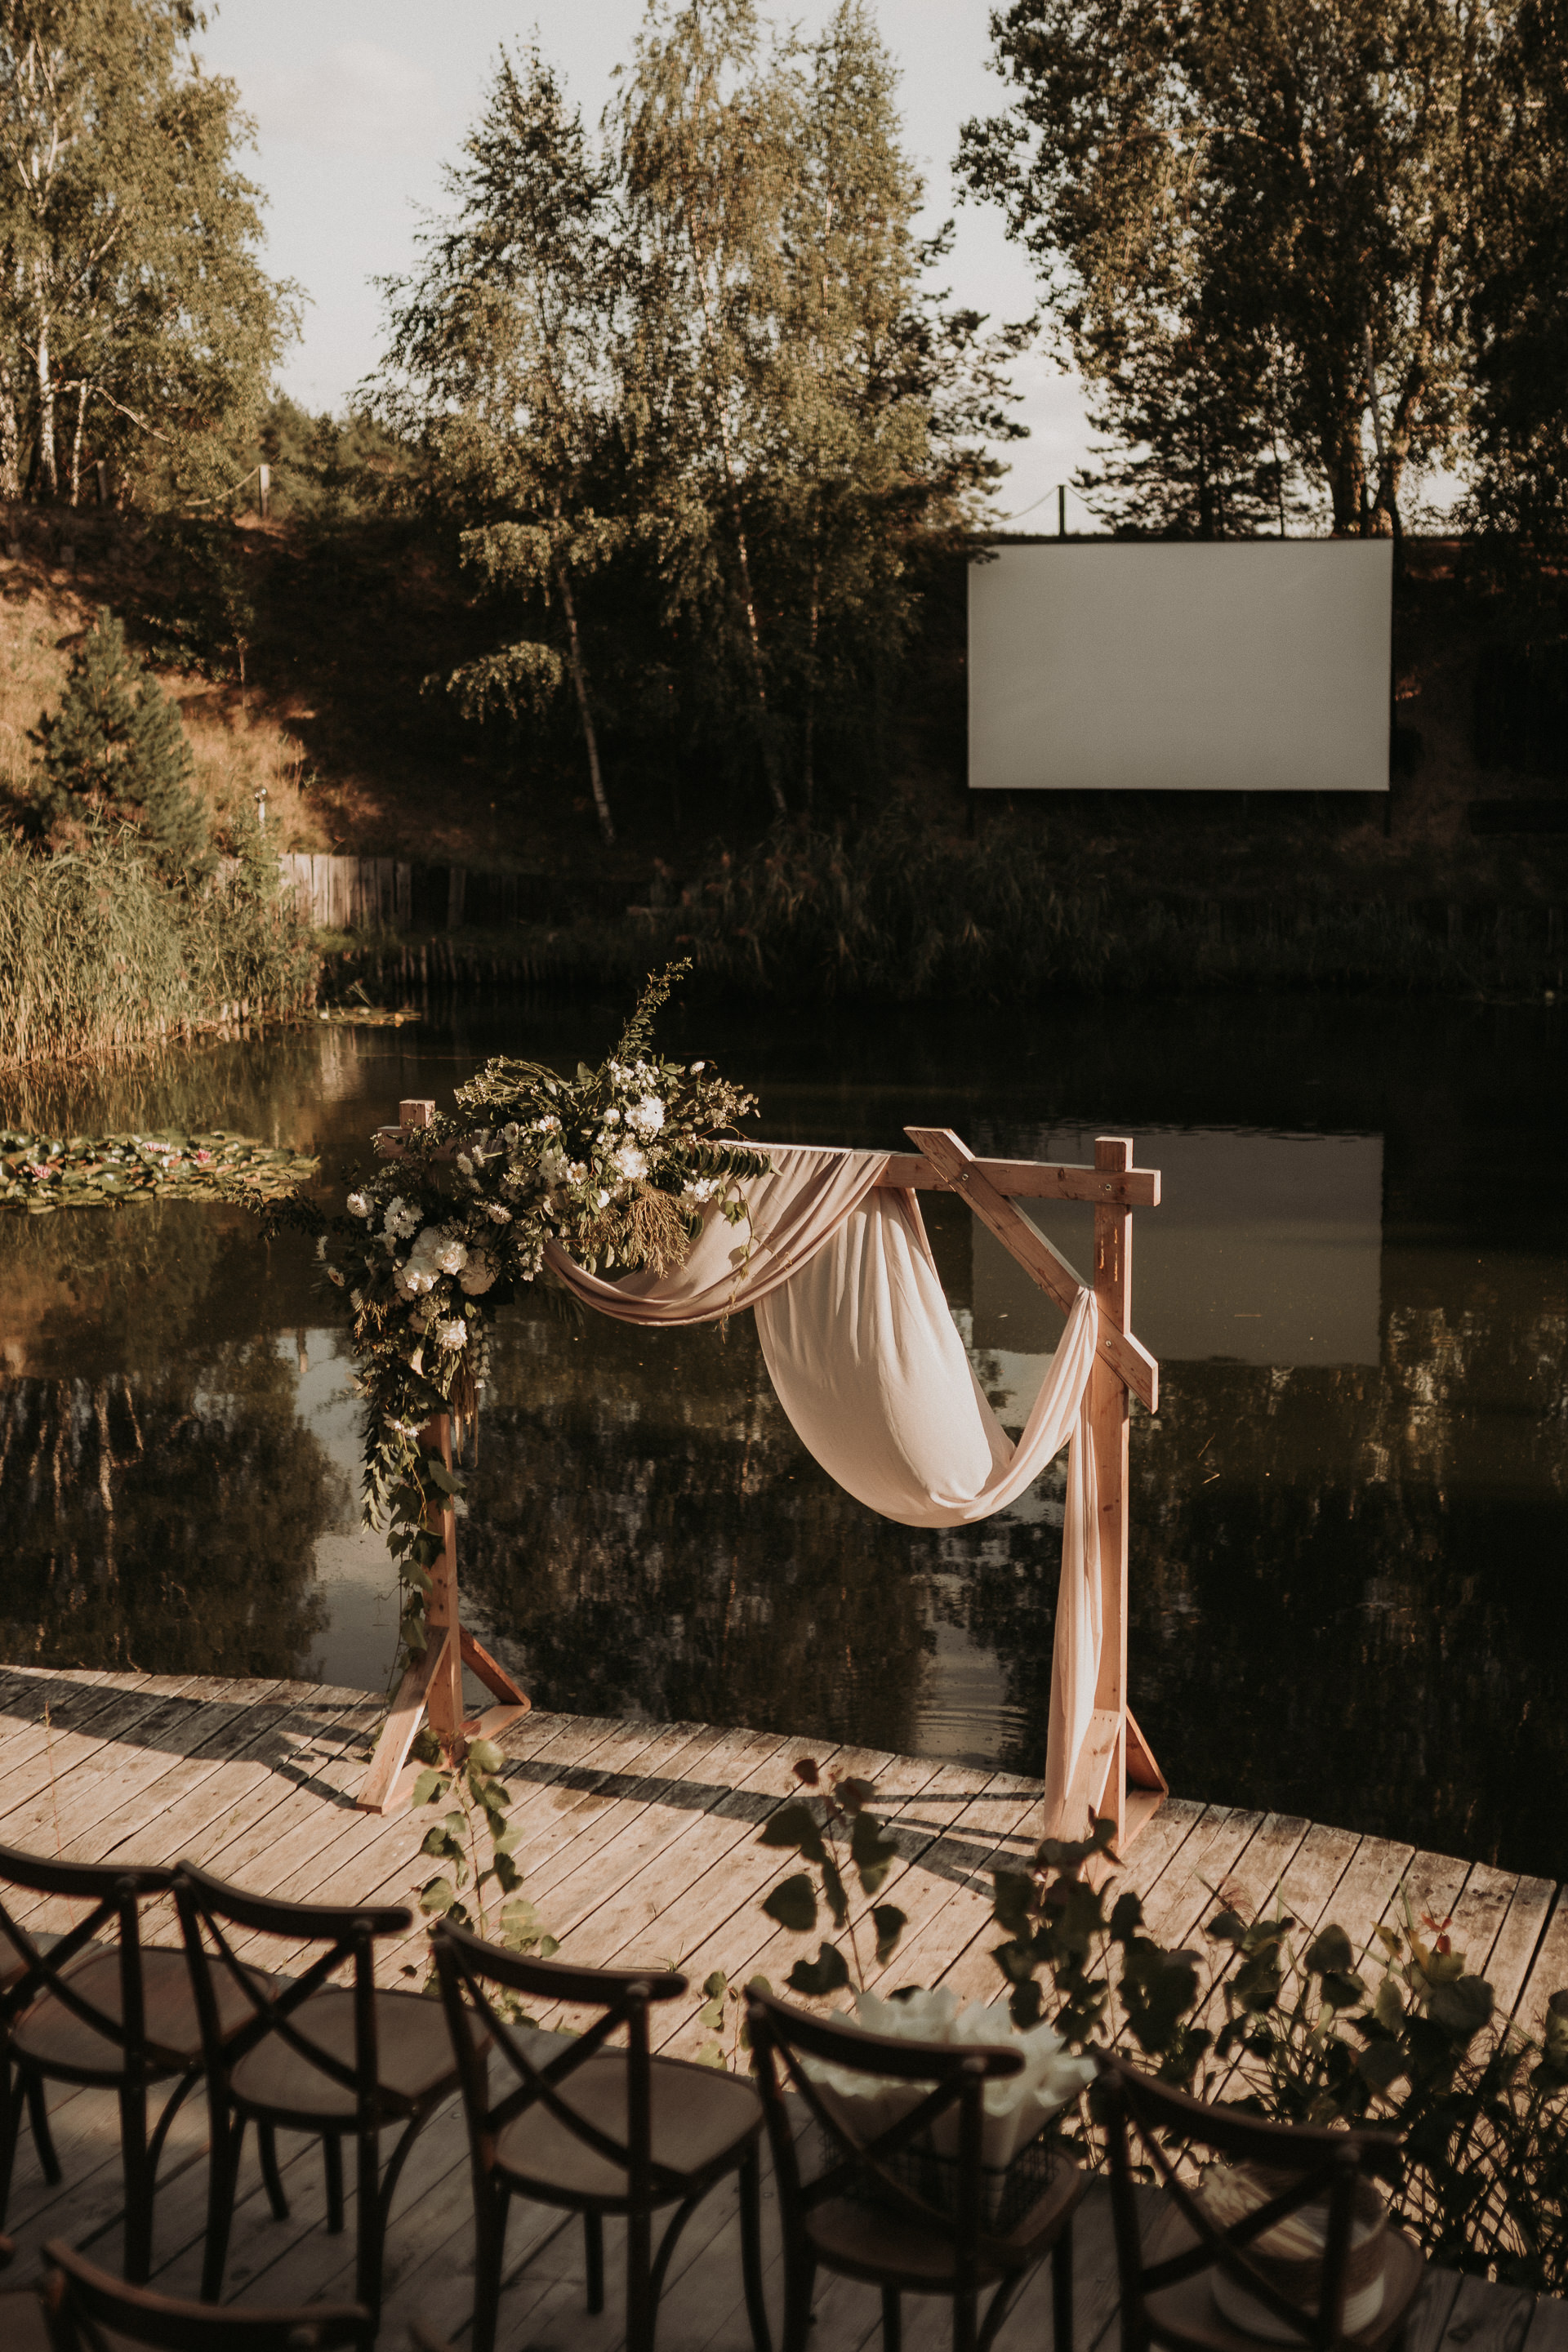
point(1119, 665)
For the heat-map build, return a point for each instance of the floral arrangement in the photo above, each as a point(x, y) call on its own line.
point(618, 1164)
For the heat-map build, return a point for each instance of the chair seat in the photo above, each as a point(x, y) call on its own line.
point(50, 2036)
point(1190, 2308)
point(13, 1967)
point(863, 2242)
point(700, 2119)
point(414, 2051)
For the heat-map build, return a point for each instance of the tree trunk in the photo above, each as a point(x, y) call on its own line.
point(10, 439)
point(76, 441)
point(48, 475)
point(807, 779)
point(574, 654)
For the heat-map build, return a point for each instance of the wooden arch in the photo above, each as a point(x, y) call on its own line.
point(1117, 1773)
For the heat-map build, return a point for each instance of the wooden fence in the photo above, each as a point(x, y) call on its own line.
point(352, 894)
point(373, 894)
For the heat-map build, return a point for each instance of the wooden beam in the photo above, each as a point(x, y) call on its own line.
point(1132, 1364)
point(1109, 1416)
point(1032, 1179)
point(386, 1784)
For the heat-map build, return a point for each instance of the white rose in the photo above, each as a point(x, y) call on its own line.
point(697, 1069)
point(646, 1117)
point(453, 1333)
point(358, 1206)
point(631, 1163)
point(612, 1118)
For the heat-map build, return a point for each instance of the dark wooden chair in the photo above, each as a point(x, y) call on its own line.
point(93, 2312)
point(95, 2006)
point(595, 2129)
point(339, 2062)
point(24, 2315)
point(868, 2213)
point(1171, 2302)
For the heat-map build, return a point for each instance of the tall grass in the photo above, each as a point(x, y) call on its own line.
point(99, 958)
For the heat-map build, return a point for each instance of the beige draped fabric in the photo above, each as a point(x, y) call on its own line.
point(869, 1367)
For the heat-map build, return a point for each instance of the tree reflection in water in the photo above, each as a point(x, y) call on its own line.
point(160, 1496)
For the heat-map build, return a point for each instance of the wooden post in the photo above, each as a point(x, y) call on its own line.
point(102, 471)
point(264, 489)
point(432, 1685)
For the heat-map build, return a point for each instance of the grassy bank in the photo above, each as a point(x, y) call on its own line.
point(903, 917)
point(99, 958)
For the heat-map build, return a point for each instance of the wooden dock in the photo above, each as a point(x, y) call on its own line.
point(638, 1844)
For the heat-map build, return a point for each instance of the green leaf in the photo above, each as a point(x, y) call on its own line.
point(438, 1898)
point(1014, 1905)
point(1330, 1951)
point(428, 1788)
point(712, 2053)
point(872, 1850)
point(795, 1825)
point(440, 1844)
point(486, 1755)
point(792, 1903)
point(716, 1985)
point(506, 1873)
point(889, 1923)
point(1462, 2007)
point(816, 1979)
point(1380, 2064)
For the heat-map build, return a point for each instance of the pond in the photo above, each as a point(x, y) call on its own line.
point(1350, 1517)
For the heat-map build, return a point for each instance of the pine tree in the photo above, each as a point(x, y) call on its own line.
point(115, 750)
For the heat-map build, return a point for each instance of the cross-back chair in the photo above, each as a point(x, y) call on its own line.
point(23, 2319)
point(341, 2062)
point(93, 2312)
point(95, 2006)
point(868, 2211)
point(1172, 2301)
point(596, 2130)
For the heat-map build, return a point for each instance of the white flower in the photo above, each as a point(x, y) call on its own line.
point(465, 1164)
point(334, 1275)
point(701, 1188)
point(601, 1200)
point(453, 1333)
point(442, 1248)
point(510, 1131)
point(358, 1206)
point(612, 1118)
point(646, 1117)
point(412, 1280)
point(497, 1215)
point(356, 1300)
point(478, 1273)
point(400, 1220)
point(697, 1069)
point(320, 1246)
point(631, 1163)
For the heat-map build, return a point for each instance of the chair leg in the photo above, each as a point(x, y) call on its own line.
point(138, 2183)
point(800, 2277)
point(490, 2210)
point(594, 2259)
point(332, 2157)
point(43, 2138)
point(641, 2308)
point(266, 2148)
point(10, 2130)
point(892, 2321)
point(751, 2192)
point(367, 2267)
point(1061, 2292)
point(227, 2140)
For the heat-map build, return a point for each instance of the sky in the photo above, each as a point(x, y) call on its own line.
point(358, 103)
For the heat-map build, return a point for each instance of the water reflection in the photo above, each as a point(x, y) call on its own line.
point(1348, 1515)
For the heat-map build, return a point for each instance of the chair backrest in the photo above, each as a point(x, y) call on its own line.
point(878, 2166)
point(468, 1966)
point(211, 1910)
point(31, 1965)
point(1149, 2127)
point(85, 2302)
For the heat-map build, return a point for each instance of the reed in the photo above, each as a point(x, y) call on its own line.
point(98, 959)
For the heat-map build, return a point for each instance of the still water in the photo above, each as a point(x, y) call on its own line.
point(1350, 1517)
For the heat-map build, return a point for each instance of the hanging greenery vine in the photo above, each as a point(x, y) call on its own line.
point(617, 1165)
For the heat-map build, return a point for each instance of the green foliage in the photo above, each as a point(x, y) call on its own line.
point(724, 2010)
point(1313, 2036)
point(845, 1837)
point(100, 956)
point(115, 753)
point(464, 1777)
point(1239, 212)
point(136, 328)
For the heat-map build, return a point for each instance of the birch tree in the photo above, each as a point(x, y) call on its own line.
point(137, 327)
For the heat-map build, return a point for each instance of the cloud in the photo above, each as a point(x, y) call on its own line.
point(354, 97)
